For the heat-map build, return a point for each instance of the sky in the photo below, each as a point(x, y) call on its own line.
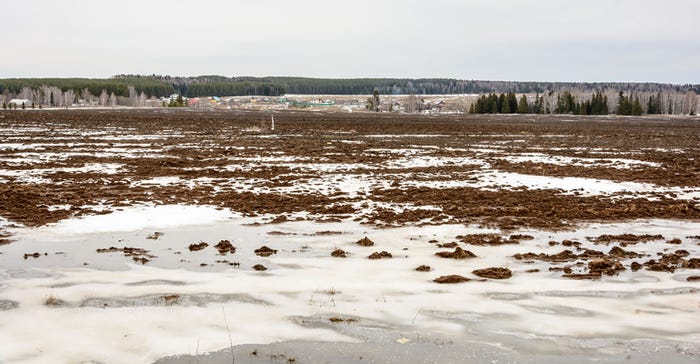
point(510, 40)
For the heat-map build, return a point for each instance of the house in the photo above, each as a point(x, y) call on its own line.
point(20, 102)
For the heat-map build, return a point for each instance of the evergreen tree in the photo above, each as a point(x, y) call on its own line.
point(539, 104)
point(494, 105)
point(501, 100)
point(624, 106)
point(523, 107)
point(23, 106)
point(506, 107)
point(4, 105)
point(512, 102)
point(637, 107)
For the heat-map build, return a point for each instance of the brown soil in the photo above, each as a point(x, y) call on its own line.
point(193, 145)
point(486, 239)
point(155, 235)
point(224, 247)
point(197, 246)
point(264, 251)
point(339, 253)
point(625, 239)
point(380, 255)
point(423, 268)
point(448, 245)
point(693, 279)
point(675, 241)
point(519, 237)
point(459, 253)
point(623, 254)
point(365, 242)
point(31, 255)
point(493, 273)
point(259, 267)
point(138, 255)
point(451, 279)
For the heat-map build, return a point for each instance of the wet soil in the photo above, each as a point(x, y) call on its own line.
point(380, 255)
point(451, 279)
point(231, 160)
point(458, 253)
point(493, 273)
point(195, 145)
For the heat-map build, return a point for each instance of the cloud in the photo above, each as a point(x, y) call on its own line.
point(596, 40)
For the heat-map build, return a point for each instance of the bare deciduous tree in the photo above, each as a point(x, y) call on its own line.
point(104, 98)
point(692, 102)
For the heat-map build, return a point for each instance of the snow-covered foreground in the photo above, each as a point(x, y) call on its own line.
point(72, 304)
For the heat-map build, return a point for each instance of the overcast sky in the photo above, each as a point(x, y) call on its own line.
point(523, 40)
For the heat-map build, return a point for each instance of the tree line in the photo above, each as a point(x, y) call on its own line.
point(597, 103)
point(213, 85)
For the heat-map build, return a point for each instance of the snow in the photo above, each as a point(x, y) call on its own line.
point(137, 326)
point(138, 218)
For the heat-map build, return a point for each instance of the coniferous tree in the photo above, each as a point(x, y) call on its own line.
point(637, 107)
point(512, 102)
point(523, 106)
point(501, 100)
point(506, 107)
point(539, 104)
point(624, 106)
point(4, 105)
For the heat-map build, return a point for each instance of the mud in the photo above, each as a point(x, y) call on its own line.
point(192, 146)
point(493, 273)
point(486, 239)
point(451, 279)
point(458, 253)
point(224, 247)
point(380, 255)
point(339, 253)
point(197, 246)
point(365, 242)
point(265, 251)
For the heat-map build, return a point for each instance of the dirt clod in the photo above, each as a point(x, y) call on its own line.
point(459, 253)
point(259, 267)
point(423, 268)
point(454, 278)
point(365, 242)
point(339, 253)
point(224, 247)
point(493, 273)
point(380, 255)
point(265, 251)
point(197, 246)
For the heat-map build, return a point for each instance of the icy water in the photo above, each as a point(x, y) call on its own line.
point(73, 304)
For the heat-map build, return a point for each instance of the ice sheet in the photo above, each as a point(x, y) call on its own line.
point(135, 323)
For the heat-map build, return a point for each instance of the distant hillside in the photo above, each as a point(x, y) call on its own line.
point(160, 86)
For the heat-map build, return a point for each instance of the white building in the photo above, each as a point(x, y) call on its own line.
point(19, 102)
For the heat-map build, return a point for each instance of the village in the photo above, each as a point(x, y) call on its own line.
point(428, 104)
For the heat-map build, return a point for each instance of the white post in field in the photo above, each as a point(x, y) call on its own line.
point(273, 122)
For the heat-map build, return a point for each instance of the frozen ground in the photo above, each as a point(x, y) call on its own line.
point(109, 307)
point(100, 226)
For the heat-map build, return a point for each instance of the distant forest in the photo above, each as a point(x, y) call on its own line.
point(535, 97)
point(163, 86)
